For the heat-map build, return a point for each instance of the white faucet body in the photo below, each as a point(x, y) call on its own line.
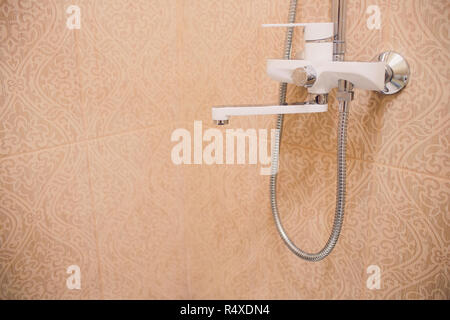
point(363, 75)
point(320, 72)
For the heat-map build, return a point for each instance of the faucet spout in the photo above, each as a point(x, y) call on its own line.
point(222, 114)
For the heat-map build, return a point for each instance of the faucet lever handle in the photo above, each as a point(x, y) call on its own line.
point(304, 76)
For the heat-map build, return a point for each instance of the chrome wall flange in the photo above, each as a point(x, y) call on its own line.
point(397, 72)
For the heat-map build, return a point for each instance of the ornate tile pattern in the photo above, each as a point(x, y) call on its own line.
point(86, 176)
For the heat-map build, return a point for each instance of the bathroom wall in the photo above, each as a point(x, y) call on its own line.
point(86, 176)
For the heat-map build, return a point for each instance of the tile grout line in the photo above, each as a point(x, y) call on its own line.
point(74, 143)
point(94, 218)
point(11, 156)
point(88, 162)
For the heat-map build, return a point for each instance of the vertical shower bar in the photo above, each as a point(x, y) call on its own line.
point(338, 16)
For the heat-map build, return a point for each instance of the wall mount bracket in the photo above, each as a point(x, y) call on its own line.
point(397, 72)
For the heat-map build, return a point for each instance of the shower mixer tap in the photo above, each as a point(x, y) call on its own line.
point(321, 69)
point(319, 74)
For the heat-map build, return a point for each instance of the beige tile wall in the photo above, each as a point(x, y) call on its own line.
point(86, 176)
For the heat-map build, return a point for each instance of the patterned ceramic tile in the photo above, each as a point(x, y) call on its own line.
point(246, 259)
point(39, 96)
point(407, 234)
point(139, 209)
point(47, 225)
point(128, 65)
point(137, 70)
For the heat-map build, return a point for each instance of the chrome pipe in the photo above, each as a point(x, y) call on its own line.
point(338, 15)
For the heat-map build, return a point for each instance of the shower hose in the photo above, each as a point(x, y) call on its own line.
point(341, 166)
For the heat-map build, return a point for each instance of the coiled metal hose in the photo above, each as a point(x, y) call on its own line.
point(341, 165)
